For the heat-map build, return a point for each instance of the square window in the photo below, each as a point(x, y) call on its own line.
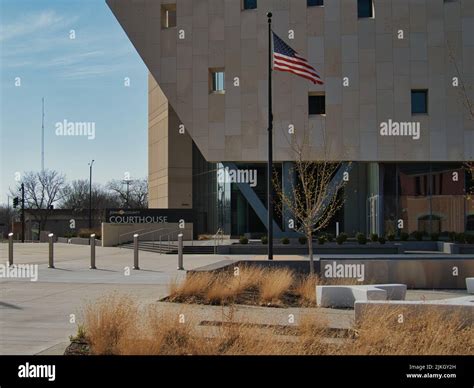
point(317, 104)
point(314, 3)
point(249, 4)
point(168, 16)
point(217, 81)
point(419, 101)
point(365, 8)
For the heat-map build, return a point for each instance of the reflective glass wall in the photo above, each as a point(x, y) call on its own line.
point(429, 197)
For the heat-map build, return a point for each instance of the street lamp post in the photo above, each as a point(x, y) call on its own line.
point(90, 193)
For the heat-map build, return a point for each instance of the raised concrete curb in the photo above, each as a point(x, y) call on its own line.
point(463, 306)
point(470, 285)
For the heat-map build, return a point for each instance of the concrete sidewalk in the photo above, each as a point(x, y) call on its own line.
point(114, 265)
point(35, 317)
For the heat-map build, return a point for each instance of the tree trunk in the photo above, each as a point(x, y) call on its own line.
point(310, 251)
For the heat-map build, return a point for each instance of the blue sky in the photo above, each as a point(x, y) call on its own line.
point(81, 79)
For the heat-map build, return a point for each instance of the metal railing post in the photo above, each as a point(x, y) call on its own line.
point(92, 243)
point(135, 251)
point(180, 252)
point(10, 249)
point(51, 250)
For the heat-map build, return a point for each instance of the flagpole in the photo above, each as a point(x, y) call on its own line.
point(270, 142)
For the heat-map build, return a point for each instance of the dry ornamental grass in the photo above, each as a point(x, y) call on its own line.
point(116, 325)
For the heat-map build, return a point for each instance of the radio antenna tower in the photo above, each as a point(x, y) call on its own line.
point(42, 139)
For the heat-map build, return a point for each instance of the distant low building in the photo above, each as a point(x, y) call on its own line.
point(61, 222)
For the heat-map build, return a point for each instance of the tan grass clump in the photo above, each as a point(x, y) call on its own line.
point(195, 285)
point(274, 284)
point(402, 331)
point(306, 290)
point(108, 321)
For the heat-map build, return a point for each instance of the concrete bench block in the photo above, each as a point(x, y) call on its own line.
point(470, 285)
point(345, 296)
point(394, 291)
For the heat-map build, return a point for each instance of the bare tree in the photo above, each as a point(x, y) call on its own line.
point(464, 90)
point(6, 218)
point(314, 197)
point(76, 196)
point(131, 193)
point(42, 191)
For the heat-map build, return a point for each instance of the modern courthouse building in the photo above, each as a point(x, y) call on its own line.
point(391, 103)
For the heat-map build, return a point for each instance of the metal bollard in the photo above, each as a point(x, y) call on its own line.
point(10, 249)
point(180, 252)
point(135, 252)
point(92, 242)
point(51, 250)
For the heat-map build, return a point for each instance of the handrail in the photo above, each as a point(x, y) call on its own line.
point(131, 233)
point(169, 235)
point(154, 231)
point(141, 235)
point(220, 233)
point(173, 231)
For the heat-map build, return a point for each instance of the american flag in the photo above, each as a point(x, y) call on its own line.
point(287, 59)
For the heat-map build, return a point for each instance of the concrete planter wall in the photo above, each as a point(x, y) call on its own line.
point(416, 271)
point(349, 248)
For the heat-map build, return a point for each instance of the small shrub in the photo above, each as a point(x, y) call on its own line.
point(470, 238)
point(361, 238)
point(80, 336)
point(391, 237)
point(341, 239)
point(452, 236)
point(322, 239)
point(243, 240)
point(86, 233)
point(285, 240)
point(303, 240)
point(460, 238)
point(434, 236)
point(374, 237)
point(418, 235)
point(404, 236)
point(330, 238)
point(264, 240)
point(382, 240)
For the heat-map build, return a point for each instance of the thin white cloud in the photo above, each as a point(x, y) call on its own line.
point(29, 24)
point(40, 42)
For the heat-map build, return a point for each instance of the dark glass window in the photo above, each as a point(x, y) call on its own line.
point(168, 15)
point(317, 105)
point(365, 9)
point(419, 101)
point(314, 3)
point(250, 4)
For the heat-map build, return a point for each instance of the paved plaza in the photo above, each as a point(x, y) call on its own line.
point(35, 317)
